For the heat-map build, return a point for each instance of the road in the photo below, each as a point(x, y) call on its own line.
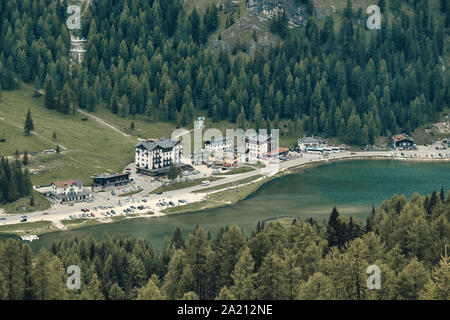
point(59, 212)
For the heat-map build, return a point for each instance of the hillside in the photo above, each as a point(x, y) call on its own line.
point(88, 147)
point(151, 63)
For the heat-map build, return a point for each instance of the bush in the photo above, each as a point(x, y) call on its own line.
point(2, 140)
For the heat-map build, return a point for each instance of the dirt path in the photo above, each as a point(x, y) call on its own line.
point(33, 133)
point(103, 122)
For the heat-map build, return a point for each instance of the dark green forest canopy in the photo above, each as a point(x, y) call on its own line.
point(15, 182)
point(305, 260)
point(150, 57)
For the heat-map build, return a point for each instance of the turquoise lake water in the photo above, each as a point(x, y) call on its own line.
point(353, 186)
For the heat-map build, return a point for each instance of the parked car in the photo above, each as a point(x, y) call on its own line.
point(23, 220)
point(171, 203)
point(44, 213)
point(143, 200)
point(92, 214)
point(113, 212)
point(160, 192)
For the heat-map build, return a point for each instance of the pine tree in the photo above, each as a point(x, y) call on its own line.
point(190, 296)
point(150, 291)
point(28, 270)
point(437, 287)
point(225, 294)
point(178, 278)
point(32, 201)
point(12, 269)
point(50, 93)
point(334, 229)
point(173, 172)
point(177, 239)
point(48, 277)
point(271, 283)
point(116, 293)
point(243, 277)
point(318, 287)
point(197, 252)
point(241, 120)
point(25, 158)
point(29, 125)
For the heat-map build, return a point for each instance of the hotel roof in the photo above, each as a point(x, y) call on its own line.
point(163, 143)
point(310, 140)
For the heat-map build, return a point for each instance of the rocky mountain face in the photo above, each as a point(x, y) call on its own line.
point(254, 16)
point(297, 14)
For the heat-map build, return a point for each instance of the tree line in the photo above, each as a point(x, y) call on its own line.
point(15, 181)
point(303, 260)
point(149, 57)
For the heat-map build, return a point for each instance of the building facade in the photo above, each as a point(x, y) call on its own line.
point(154, 157)
point(110, 181)
point(403, 141)
point(258, 146)
point(309, 142)
point(217, 148)
point(69, 191)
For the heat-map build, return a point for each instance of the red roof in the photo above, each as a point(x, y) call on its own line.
point(400, 137)
point(280, 150)
point(64, 184)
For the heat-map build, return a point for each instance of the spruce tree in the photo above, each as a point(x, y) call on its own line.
point(29, 125)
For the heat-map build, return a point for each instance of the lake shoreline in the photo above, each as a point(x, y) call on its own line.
point(257, 185)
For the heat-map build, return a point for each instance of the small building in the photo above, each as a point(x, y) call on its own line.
point(69, 191)
point(110, 181)
point(281, 151)
point(242, 156)
point(217, 148)
point(309, 142)
point(403, 142)
point(200, 123)
point(258, 146)
point(154, 157)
